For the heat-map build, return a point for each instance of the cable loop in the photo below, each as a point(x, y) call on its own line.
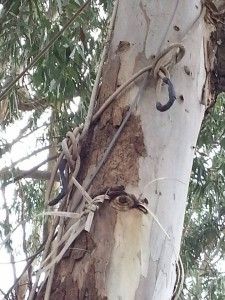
point(168, 58)
point(75, 144)
point(163, 72)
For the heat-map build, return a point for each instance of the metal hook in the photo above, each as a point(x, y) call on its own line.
point(172, 96)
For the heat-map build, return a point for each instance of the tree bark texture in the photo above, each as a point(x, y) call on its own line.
point(127, 255)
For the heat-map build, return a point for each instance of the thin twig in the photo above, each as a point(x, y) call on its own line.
point(35, 152)
point(28, 172)
point(4, 294)
point(35, 129)
point(7, 146)
point(7, 223)
point(29, 270)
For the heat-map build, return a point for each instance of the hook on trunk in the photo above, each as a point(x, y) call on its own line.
point(172, 96)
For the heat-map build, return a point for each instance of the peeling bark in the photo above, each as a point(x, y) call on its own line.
point(219, 73)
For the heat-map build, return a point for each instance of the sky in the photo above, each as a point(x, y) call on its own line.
point(19, 150)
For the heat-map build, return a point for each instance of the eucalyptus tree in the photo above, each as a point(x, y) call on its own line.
point(131, 250)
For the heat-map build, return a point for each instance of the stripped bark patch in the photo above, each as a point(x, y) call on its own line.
point(122, 167)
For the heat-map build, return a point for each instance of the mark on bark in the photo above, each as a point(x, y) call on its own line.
point(219, 71)
point(123, 46)
point(187, 70)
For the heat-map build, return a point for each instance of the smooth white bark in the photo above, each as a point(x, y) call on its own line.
point(143, 260)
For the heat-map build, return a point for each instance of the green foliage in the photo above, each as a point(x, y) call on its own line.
point(31, 203)
point(203, 240)
point(30, 207)
point(67, 69)
point(27, 208)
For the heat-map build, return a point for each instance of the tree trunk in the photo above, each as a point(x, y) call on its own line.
point(127, 255)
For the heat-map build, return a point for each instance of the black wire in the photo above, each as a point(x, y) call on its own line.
point(64, 182)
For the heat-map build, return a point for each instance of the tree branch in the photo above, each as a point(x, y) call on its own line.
point(34, 173)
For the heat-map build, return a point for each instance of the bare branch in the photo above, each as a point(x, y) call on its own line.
point(19, 174)
point(27, 277)
point(7, 146)
point(35, 129)
point(4, 294)
point(7, 223)
point(32, 173)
